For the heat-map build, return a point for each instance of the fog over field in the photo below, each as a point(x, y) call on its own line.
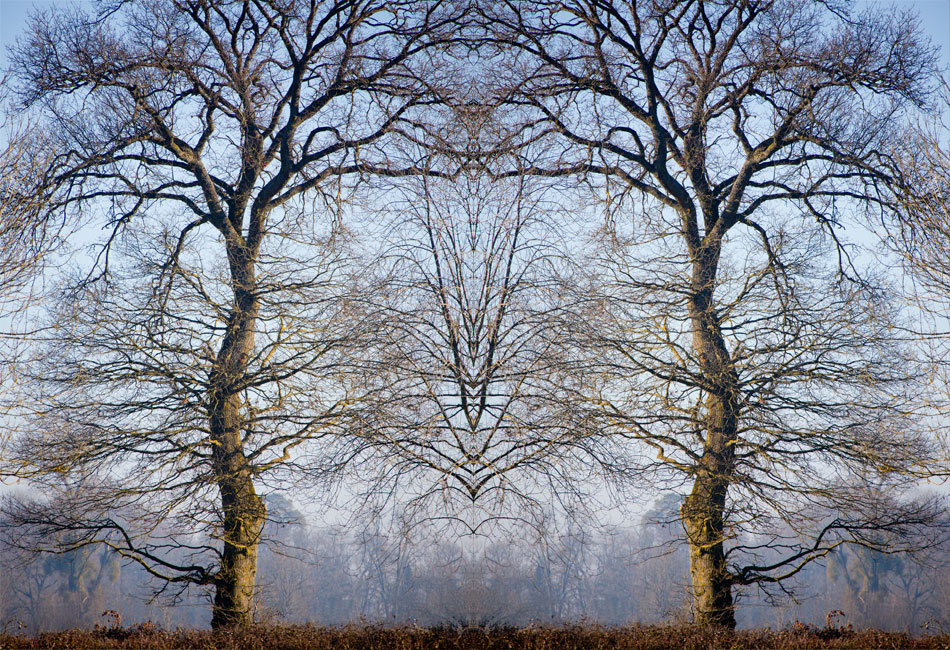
point(603, 575)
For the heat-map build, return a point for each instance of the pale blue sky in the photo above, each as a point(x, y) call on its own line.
point(13, 19)
point(935, 17)
point(13, 15)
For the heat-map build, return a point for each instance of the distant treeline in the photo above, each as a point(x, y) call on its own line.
point(614, 577)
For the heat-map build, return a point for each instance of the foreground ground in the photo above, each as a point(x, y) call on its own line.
point(577, 637)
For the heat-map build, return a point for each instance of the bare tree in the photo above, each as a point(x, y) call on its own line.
point(739, 134)
point(474, 403)
point(921, 182)
point(918, 231)
point(204, 134)
point(28, 232)
point(21, 229)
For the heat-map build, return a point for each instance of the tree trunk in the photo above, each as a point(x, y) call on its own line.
point(702, 514)
point(243, 520)
point(703, 511)
point(242, 508)
point(243, 513)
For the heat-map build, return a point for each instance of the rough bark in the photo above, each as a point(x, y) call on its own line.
point(242, 508)
point(702, 514)
point(236, 579)
point(703, 511)
point(243, 515)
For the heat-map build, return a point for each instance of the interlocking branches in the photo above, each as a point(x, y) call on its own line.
point(212, 137)
point(726, 127)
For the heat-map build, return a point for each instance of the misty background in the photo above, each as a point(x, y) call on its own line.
point(602, 574)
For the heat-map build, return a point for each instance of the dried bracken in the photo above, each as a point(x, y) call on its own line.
point(572, 637)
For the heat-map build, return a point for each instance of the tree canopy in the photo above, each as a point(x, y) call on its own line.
point(477, 256)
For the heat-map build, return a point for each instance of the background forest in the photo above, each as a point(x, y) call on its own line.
point(609, 576)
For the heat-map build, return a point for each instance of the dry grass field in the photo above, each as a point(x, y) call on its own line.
point(371, 637)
